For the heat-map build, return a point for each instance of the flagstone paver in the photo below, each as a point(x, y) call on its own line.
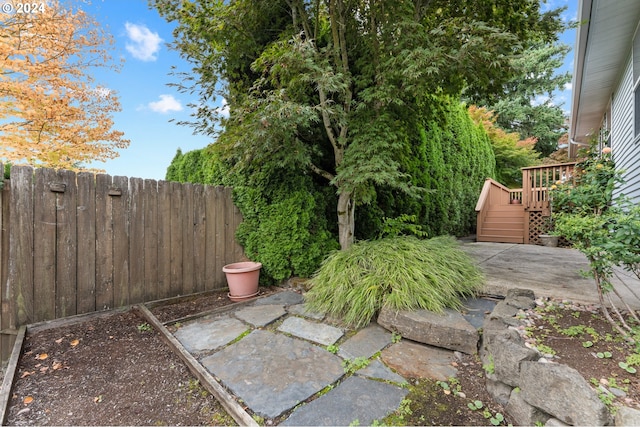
point(347, 404)
point(286, 298)
point(210, 333)
point(261, 315)
point(272, 372)
point(377, 370)
point(301, 310)
point(316, 332)
point(365, 343)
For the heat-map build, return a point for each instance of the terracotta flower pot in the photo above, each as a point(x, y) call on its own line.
point(242, 278)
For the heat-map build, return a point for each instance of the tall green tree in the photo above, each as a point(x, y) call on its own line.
point(327, 87)
point(528, 106)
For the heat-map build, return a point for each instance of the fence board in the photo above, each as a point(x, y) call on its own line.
point(136, 241)
point(164, 239)
point(7, 316)
point(150, 206)
point(219, 217)
point(210, 241)
point(21, 243)
point(67, 244)
point(104, 243)
point(199, 234)
point(176, 238)
point(187, 239)
point(44, 253)
point(86, 212)
point(119, 209)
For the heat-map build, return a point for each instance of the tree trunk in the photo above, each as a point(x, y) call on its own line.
point(346, 220)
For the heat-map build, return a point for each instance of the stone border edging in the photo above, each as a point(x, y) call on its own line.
point(530, 387)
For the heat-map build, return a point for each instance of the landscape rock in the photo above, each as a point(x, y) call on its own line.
point(521, 298)
point(499, 391)
point(507, 357)
point(555, 423)
point(574, 401)
point(505, 312)
point(448, 330)
point(522, 413)
point(414, 360)
point(627, 417)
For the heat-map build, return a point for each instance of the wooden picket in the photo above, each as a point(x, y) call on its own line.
point(74, 243)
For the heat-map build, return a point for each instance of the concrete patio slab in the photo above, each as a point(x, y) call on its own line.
point(272, 373)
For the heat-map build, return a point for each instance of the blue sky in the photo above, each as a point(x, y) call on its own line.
point(148, 103)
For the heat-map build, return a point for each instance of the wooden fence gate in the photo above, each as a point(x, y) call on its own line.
point(73, 243)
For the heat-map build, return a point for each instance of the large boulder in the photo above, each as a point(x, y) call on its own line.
point(448, 330)
point(562, 392)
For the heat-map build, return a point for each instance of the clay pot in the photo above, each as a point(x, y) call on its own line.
point(242, 278)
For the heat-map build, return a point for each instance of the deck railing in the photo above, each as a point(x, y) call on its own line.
point(536, 180)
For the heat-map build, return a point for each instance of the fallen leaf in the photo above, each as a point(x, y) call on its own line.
point(27, 400)
point(44, 369)
point(42, 356)
point(56, 365)
point(27, 373)
point(58, 341)
point(97, 399)
point(447, 392)
point(74, 343)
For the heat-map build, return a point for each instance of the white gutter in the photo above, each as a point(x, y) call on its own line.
point(582, 33)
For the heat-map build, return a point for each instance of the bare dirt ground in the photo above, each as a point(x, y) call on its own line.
point(115, 370)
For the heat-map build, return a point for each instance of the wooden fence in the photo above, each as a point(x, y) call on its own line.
point(73, 243)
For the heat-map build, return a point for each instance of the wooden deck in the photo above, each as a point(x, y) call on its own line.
point(519, 215)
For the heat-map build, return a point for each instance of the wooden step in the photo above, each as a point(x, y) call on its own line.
point(502, 232)
point(499, 239)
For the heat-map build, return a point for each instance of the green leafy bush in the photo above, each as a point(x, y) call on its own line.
point(284, 214)
point(605, 229)
point(402, 273)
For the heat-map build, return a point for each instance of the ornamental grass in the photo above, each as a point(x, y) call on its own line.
point(401, 273)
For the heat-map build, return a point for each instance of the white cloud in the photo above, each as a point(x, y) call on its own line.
point(166, 104)
point(144, 44)
point(568, 86)
point(223, 109)
point(539, 100)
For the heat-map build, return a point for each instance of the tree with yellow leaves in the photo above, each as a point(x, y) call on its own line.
point(52, 113)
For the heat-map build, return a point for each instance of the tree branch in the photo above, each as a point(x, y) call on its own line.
point(323, 173)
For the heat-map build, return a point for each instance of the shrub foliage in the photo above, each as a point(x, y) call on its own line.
point(402, 273)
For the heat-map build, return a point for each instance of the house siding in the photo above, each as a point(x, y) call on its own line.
point(626, 152)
